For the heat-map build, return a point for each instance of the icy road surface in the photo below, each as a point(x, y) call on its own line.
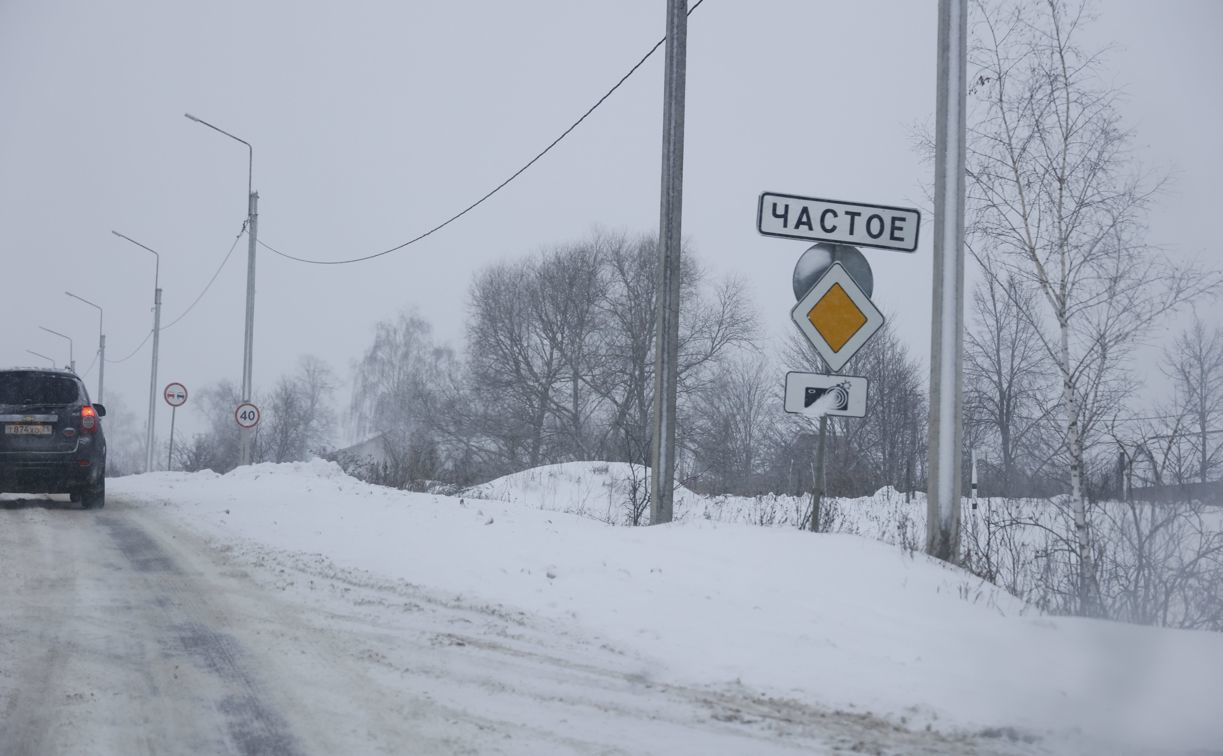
point(123, 633)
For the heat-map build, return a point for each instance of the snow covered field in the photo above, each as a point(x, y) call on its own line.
point(836, 621)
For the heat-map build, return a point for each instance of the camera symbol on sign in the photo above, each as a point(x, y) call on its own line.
point(840, 396)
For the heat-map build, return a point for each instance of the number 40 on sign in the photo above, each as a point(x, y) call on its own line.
point(247, 415)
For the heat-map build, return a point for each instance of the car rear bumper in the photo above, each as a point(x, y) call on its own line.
point(57, 475)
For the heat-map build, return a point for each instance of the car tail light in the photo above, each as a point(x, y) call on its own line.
point(89, 419)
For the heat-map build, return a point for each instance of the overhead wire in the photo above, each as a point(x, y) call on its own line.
point(208, 285)
point(196, 301)
point(91, 364)
point(495, 189)
point(134, 351)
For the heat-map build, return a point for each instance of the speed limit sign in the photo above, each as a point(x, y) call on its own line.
point(247, 415)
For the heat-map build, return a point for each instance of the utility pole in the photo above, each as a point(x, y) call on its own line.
point(101, 342)
point(252, 220)
point(71, 358)
point(148, 438)
point(943, 503)
point(153, 377)
point(45, 357)
point(662, 448)
point(248, 353)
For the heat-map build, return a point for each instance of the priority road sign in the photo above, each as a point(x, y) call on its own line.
point(837, 317)
point(175, 394)
point(247, 415)
point(837, 221)
point(819, 394)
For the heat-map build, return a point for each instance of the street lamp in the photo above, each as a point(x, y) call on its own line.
point(40, 354)
point(101, 342)
point(71, 359)
point(148, 443)
point(252, 230)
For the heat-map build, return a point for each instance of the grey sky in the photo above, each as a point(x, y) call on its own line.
point(372, 121)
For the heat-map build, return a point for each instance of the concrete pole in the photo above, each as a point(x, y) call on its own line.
point(149, 434)
point(943, 504)
point(248, 349)
point(662, 448)
point(66, 337)
point(101, 364)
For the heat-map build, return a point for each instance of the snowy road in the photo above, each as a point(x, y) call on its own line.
point(124, 633)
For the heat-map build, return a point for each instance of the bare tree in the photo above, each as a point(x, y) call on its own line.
point(561, 343)
point(1195, 365)
point(1057, 208)
point(299, 420)
point(713, 322)
point(730, 423)
point(1008, 381)
point(399, 387)
point(217, 447)
point(518, 336)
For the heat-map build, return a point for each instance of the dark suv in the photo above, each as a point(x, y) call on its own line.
point(51, 438)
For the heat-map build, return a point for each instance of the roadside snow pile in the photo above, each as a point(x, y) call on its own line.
point(610, 492)
point(843, 621)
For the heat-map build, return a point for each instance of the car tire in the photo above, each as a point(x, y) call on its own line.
point(74, 497)
point(94, 498)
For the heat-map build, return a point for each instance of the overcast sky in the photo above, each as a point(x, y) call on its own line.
point(373, 121)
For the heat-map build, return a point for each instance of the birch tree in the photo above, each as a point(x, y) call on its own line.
point(1056, 204)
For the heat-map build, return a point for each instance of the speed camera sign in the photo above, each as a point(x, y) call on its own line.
point(247, 415)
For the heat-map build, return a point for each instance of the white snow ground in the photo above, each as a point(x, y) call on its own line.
point(835, 621)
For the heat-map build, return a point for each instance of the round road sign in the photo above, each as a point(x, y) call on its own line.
point(247, 415)
point(816, 261)
point(175, 394)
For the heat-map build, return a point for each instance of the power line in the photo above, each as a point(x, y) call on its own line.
point(207, 286)
point(91, 364)
point(495, 189)
point(134, 351)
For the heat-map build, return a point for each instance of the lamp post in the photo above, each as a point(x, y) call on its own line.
point(71, 359)
point(252, 230)
point(101, 343)
point(148, 443)
point(40, 354)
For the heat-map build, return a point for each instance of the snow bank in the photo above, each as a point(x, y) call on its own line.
point(603, 491)
point(833, 619)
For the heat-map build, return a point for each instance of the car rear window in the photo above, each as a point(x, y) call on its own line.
point(37, 388)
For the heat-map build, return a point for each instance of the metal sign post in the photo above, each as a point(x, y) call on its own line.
point(175, 395)
point(833, 284)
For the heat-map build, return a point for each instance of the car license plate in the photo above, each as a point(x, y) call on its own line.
point(28, 430)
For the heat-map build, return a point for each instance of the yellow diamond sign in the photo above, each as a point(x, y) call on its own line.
point(837, 317)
